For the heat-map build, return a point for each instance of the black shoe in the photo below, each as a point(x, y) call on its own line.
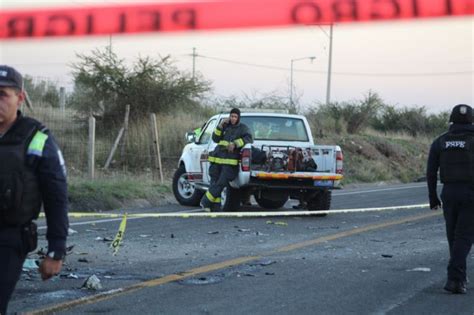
point(215, 207)
point(455, 287)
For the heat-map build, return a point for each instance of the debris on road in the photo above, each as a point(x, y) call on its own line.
point(69, 276)
point(104, 239)
point(281, 223)
point(30, 264)
point(92, 283)
point(71, 232)
point(243, 230)
point(83, 260)
point(263, 263)
point(213, 232)
point(387, 256)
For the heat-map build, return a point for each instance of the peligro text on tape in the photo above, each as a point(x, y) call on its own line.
point(247, 214)
point(120, 234)
point(217, 14)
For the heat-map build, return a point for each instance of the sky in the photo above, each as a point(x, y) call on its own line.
point(408, 63)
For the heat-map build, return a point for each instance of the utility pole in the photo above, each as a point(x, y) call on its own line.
point(291, 77)
point(328, 88)
point(194, 61)
point(110, 46)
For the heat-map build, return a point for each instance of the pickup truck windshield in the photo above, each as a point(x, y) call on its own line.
point(276, 128)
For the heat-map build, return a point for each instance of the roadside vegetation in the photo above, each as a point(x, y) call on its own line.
point(381, 142)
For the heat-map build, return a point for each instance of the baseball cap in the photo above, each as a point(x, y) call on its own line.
point(461, 114)
point(10, 77)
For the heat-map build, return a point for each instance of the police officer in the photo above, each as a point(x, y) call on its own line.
point(231, 135)
point(32, 173)
point(453, 154)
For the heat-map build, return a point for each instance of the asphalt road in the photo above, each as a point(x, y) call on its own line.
point(385, 262)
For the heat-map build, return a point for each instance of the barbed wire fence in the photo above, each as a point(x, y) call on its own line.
point(135, 152)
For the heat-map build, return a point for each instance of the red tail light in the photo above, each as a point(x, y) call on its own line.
point(339, 162)
point(245, 160)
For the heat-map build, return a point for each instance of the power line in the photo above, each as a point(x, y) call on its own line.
point(421, 74)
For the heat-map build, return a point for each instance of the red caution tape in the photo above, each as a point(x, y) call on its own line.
point(219, 14)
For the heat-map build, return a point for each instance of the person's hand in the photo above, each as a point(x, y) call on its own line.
point(435, 204)
point(231, 147)
point(224, 122)
point(49, 267)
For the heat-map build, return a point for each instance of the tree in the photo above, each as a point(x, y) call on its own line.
point(104, 85)
point(42, 92)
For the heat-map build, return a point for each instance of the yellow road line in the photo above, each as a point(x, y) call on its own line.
point(225, 264)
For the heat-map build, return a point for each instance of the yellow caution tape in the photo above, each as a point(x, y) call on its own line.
point(247, 214)
point(119, 237)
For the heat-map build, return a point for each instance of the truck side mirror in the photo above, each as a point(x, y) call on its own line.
point(190, 137)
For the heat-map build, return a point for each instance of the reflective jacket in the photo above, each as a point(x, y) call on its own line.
point(238, 134)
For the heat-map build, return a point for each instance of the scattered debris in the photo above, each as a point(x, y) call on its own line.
point(387, 256)
point(269, 273)
point(69, 276)
point(243, 230)
point(202, 280)
point(144, 235)
point(263, 263)
point(104, 239)
point(172, 235)
point(213, 232)
point(277, 223)
point(260, 234)
point(83, 260)
point(420, 269)
point(248, 274)
point(71, 232)
point(30, 264)
point(92, 283)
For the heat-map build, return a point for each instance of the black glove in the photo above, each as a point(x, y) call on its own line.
point(434, 202)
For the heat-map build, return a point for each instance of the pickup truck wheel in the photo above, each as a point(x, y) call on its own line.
point(184, 191)
point(230, 199)
point(321, 202)
point(270, 204)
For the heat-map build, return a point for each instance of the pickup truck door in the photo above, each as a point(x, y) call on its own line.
point(200, 151)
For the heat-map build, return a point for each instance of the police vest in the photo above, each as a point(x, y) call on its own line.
point(20, 196)
point(457, 157)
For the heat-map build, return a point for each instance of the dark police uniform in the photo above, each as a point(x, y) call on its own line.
point(453, 154)
point(225, 165)
point(32, 173)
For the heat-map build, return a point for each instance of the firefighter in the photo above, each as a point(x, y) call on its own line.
point(453, 154)
point(231, 135)
point(32, 173)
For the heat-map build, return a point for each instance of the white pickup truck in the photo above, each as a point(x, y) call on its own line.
point(282, 163)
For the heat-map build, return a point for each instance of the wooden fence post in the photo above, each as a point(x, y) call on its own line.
point(91, 156)
point(156, 146)
point(123, 144)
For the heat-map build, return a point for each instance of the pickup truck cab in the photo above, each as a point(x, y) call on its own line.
point(282, 163)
